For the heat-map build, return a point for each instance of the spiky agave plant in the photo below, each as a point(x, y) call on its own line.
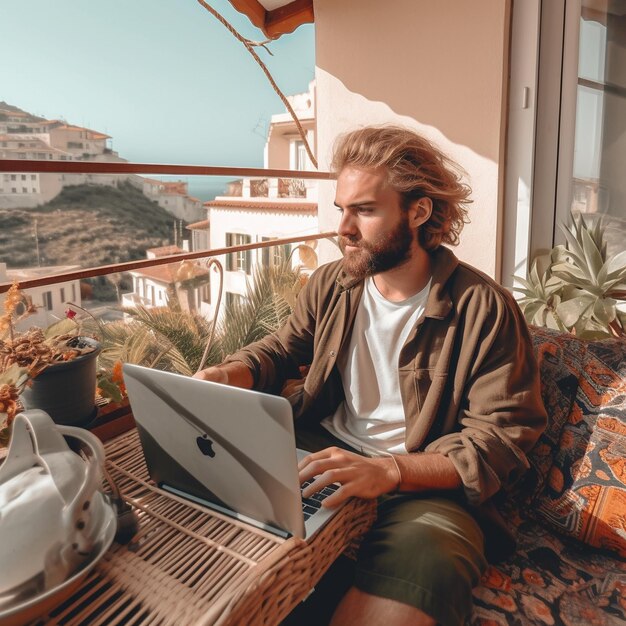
point(581, 289)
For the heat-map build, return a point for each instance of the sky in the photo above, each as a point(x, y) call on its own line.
point(164, 78)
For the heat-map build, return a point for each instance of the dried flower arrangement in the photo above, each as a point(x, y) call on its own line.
point(24, 355)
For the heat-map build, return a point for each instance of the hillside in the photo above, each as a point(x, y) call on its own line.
point(85, 225)
point(9, 108)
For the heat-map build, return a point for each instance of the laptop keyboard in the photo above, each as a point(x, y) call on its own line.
point(312, 504)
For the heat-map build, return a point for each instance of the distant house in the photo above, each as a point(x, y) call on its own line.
point(153, 286)
point(173, 196)
point(25, 136)
point(51, 300)
point(241, 221)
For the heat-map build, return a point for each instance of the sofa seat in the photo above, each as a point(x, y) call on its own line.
point(552, 580)
point(569, 511)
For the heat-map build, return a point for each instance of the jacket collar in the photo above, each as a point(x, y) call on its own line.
point(439, 303)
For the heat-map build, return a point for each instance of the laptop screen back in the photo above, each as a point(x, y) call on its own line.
point(232, 447)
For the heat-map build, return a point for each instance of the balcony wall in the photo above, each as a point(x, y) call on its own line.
point(438, 67)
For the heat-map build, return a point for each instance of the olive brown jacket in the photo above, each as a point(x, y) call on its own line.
point(468, 377)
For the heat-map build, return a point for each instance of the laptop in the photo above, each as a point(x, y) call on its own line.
point(232, 450)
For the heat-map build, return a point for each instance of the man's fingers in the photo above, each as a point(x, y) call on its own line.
point(322, 480)
point(316, 456)
point(335, 499)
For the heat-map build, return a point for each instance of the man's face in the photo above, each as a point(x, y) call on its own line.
point(374, 231)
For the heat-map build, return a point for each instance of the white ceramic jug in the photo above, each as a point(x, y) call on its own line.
point(52, 509)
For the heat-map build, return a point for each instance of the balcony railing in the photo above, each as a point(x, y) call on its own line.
point(93, 167)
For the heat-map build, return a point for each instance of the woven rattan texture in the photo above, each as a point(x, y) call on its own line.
point(188, 565)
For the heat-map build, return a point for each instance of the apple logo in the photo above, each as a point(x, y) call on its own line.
point(206, 446)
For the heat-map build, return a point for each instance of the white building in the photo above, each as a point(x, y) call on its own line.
point(152, 286)
point(173, 196)
point(241, 221)
point(24, 136)
point(51, 300)
point(261, 209)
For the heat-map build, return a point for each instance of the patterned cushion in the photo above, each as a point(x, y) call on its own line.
point(559, 356)
point(551, 581)
point(584, 495)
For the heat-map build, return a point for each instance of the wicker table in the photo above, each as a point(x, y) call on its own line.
point(189, 565)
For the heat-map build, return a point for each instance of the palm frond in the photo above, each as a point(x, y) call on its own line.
point(270, 297)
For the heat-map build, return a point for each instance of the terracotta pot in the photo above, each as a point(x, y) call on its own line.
point(67, 390)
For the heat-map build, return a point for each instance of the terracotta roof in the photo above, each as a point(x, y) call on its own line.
point(167, 274)
point(93, 134)
point(165, 250)
point(203, 225)
point(285, 18)
point(246, 203)
point(178, 188)
point(152, 181)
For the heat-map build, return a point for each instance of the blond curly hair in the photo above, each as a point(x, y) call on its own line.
point(416, 169)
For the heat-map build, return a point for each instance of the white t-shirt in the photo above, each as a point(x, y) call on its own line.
point(371, 418)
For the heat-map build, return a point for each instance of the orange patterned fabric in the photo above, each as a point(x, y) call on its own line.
point(584, 493)
point(551, 581)
point(576, 485)
point(559, 356)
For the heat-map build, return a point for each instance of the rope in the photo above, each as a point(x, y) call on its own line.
point(249, 45)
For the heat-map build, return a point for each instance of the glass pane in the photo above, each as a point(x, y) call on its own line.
point(599, 184)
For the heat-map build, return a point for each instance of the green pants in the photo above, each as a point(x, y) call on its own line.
point(423, 550)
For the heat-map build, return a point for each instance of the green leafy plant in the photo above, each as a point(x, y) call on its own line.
point(577, 287)
point(24, 355)
point(174, 339)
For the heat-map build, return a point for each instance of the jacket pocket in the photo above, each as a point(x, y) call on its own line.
point(429, 388)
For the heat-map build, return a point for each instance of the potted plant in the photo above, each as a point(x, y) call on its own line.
point(576, 287)
point(52, 369)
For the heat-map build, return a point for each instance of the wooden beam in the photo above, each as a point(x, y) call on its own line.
point(287, 18)
point(279, 21)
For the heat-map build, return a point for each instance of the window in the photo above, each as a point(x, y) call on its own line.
point(242, 260)
point(23, 176)
point(276, 255)
point(13, 177)
point(62, 294)
point(232, 299)
point(73, 293)
point(47, 300)
point(597, 182)
point(579, 148)
point(205, 294)
point(298, 156)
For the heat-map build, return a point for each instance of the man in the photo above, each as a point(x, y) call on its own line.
point(421, 375)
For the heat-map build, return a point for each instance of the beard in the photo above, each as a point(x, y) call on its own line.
point(379, 255)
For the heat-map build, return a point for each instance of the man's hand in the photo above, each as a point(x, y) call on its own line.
point(233, 373)
point(214, 374)
point(358, 475)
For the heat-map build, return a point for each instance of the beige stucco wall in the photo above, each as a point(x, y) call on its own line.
point(438, 67)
